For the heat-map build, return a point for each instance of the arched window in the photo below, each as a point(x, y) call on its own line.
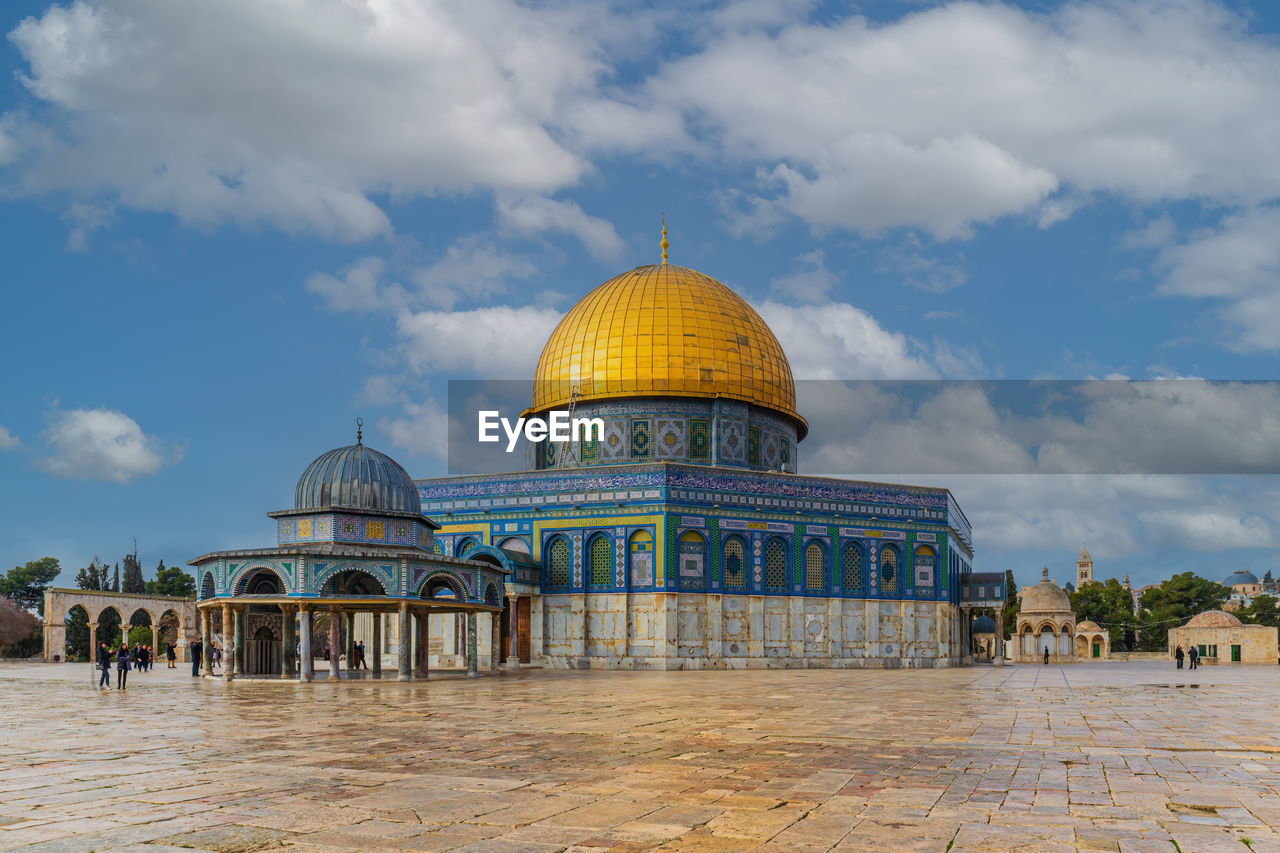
point(600, 555)
point(559, 571)
point(693, 560)
point(851, 568)
point(815, 567)
point(463, 546)
point(888, 568)
point(775, 564)
point(206, 586)
point(491, 596)
point(926, 559)
point(641, 549)
point(735, 559)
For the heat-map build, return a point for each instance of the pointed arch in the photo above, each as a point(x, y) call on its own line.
point(600, 561)
point(557, 562)
point(691, 550)
point(890, 561)
point(735, 562)
point(815, 566)
point(852, 565)
point(775, 564)
point(640, 555)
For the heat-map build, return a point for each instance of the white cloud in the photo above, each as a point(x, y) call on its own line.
point(8, 441)
point(421, 429)
point(497, 342)
point(965, 112)
point(102, 444)
point(297, 113)
point(472, 268)
point(1155, 234)
point(839, 341)
point(920, 271)
point(1237, 263)
point(809, 279)
point(356, 290)
point(85, 219)
point(533, 215)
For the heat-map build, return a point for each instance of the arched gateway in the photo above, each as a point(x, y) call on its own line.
point(58, 603)
point(355, 546)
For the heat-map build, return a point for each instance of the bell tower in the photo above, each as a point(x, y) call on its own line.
point(1084, 568)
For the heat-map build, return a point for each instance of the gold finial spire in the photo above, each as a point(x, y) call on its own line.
point(664, 244)
point(359, 430)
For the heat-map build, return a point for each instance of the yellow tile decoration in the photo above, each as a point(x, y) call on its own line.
point(304, 528)
point(375, 529)
point(664, 330)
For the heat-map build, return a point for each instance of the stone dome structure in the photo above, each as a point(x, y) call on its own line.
point(1242, 576)
point(1045, 597)
point(1088, 626)
point(1214, 619)
point(665, 331)
point(360, 478)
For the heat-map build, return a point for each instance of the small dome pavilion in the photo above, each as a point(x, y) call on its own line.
point(1093, 642)
point(1045, 622)
point(354, 543)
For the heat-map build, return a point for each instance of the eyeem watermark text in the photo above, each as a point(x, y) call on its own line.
point(557, 426)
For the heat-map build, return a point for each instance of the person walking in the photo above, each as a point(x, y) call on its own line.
point(1046, 657)
point(1193, 658)
point(104, 664)
point(122, 666)
point(197, 652)
point(360, 661)
point(217, 656)
point(1178, 655)
point(170, 654)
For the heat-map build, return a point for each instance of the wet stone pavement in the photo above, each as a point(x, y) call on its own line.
point(1114, 756)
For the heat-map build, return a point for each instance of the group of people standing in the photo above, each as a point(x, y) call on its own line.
point(197, 655)
point(1192, 657)
point(140, 657)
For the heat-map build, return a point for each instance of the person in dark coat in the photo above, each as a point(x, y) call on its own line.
point(170, 654)
point(1193, 658)
point(104, 664)
point(122, 666)
point(1178, 656)
point(1046, 657)
point(197, 656)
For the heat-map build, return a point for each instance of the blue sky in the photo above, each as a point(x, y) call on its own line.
point(228, 231)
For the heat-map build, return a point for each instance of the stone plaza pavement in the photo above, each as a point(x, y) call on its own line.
point(1110, 756)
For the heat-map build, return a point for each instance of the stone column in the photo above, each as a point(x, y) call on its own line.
point(406, 644)
point(335, 642)
point(513, 627)
point(287, 644)
point(377, 644)
point(228, 651)
point(473, 653)
point(424, 647)
point(237, 654)
point(93, 644)
point(495, 641)
point(349, 640)
point(306, 662)
point(155, 640)
point(206, 642)
point(1000, 636)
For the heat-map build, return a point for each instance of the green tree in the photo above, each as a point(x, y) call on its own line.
point(26, 584)
point(1009, 613)
point(20, 635)
point(1109, 604)
point(1173, 602)
point(132, 580)
point(172, 581)
point(115, 584)
point(1261, 611)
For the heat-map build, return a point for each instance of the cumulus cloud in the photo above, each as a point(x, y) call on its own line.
point(420, 429)
point(8, 441)
point(499, 341)
point(474, 267)
point(966, 112)
point(534, 215)
point(102, 444)
point(355, 290)
point(920, 271)
point(1237, 264)
point(299, 113)
point(809, 279)
point(838, 341)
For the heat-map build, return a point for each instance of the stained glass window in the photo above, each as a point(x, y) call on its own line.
point(601, 572)
point(734, 575)
point(852, 568)
point(559, 564)
point(775, 565)
point(888, 568)
point(813, 568)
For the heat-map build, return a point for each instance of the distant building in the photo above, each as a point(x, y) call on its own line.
point(1092, 641)
point(1222, 638)
point(1244, 585)
point(1045, 623)
point(1084, 568)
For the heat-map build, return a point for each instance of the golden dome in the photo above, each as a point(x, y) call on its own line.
point(664, 331)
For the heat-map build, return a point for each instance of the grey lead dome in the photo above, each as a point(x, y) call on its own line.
point(357, 477)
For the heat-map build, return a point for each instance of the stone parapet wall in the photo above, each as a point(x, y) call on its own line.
point(707, 631)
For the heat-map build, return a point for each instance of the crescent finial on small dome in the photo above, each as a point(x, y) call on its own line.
point(664, 244)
